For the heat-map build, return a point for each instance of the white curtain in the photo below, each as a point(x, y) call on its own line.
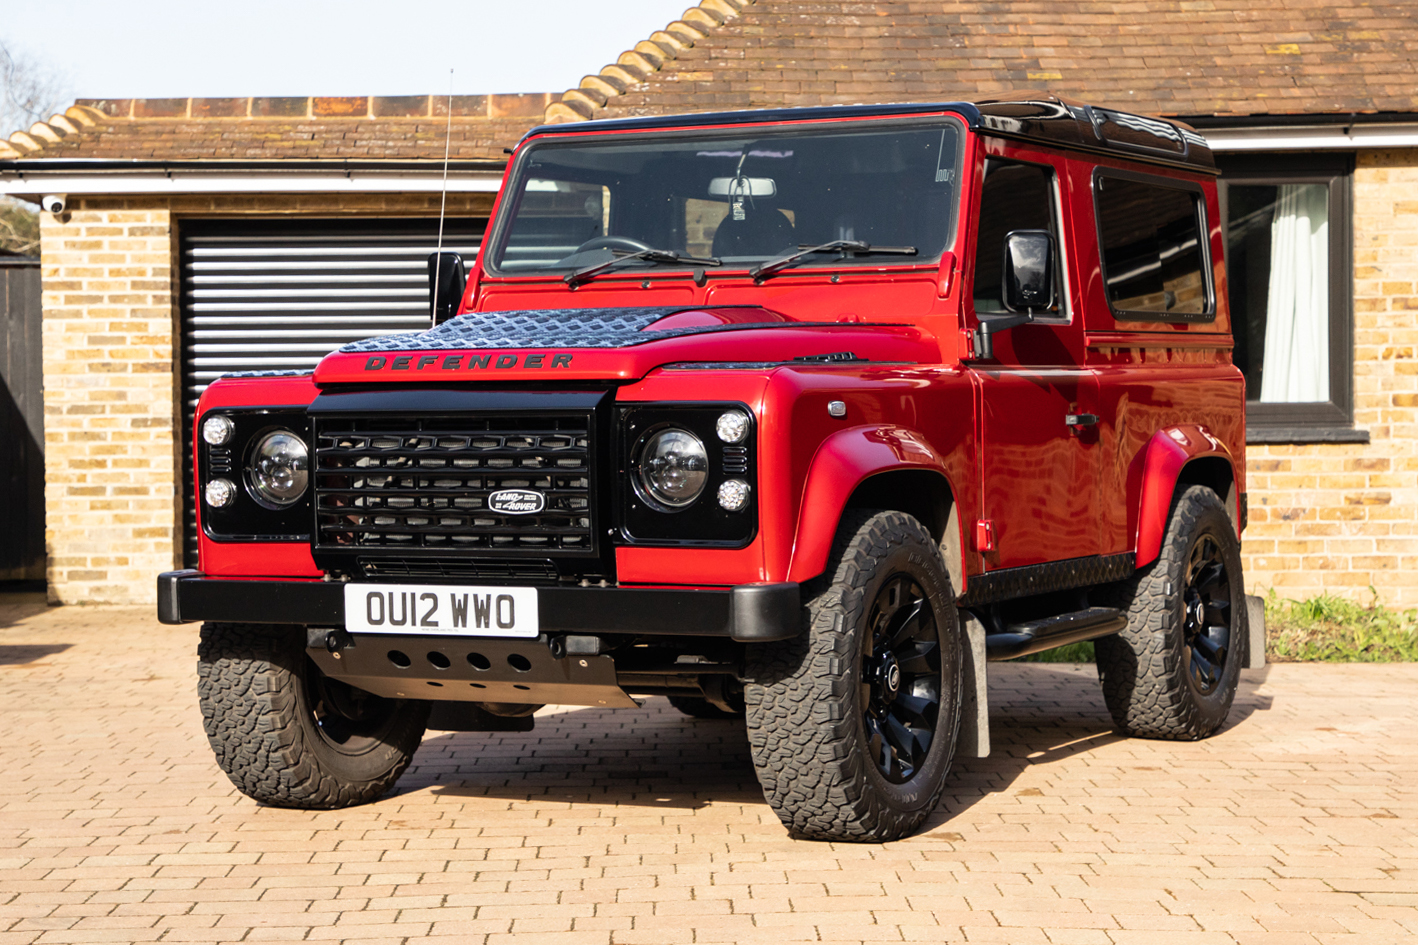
point(1296, 365)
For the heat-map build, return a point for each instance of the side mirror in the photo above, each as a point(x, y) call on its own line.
point(447, 278)
point(1028, 279)
point(1028, 270)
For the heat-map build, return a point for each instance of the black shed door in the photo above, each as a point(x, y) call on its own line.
point(278, 295)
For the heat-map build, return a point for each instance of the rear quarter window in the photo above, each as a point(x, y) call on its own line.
point(1151, 236)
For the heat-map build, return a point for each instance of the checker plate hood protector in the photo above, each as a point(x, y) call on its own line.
point(552, 345)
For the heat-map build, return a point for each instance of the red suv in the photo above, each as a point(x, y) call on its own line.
point(795, 415)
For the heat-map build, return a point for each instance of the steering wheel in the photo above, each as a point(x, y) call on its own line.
point(613, 242)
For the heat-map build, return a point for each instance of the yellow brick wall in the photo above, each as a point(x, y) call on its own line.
point(112, 507)
point(1342, 518)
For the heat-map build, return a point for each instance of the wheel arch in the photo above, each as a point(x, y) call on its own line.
point(1178, 457)
point(880, 468)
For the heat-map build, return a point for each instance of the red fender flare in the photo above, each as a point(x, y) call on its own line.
point(842, 462)
point(1169, 450)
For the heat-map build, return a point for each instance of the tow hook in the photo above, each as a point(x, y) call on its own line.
point(337, 640)
point(572, 644)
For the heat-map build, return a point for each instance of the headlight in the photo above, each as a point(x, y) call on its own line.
point(280, 469)
point(672, 468)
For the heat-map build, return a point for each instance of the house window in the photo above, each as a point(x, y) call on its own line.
point(1288, 231)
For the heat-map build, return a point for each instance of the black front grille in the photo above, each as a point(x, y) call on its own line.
point(394, 485)
point(463, 569)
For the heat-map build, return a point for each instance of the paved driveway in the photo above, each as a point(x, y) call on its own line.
point(1299, 823)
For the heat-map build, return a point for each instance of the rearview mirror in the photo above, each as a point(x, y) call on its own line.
point(447, 278)
point(1028, 270)
point(743, 187)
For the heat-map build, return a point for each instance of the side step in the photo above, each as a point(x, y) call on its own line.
point(1035, 636)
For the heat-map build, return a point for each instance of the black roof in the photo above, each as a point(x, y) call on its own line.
point(1046, 119)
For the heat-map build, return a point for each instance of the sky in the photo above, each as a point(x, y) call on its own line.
point(167, 49)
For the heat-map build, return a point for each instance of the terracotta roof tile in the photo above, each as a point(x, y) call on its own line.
point(382, 128)
point(1173, 57)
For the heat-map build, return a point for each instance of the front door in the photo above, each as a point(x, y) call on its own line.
point(1040, 471)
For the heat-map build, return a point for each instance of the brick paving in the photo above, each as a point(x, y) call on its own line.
point(1297, 824)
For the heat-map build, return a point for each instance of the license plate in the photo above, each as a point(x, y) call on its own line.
point(442, 609)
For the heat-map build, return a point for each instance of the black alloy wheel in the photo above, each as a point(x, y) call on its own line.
point(290, 736)
point(1206, 602)
point(852, 724)
point(900, 679)
point(348, 720)
point(1172, 672)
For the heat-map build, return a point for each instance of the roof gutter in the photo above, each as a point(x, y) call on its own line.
point(97, 177)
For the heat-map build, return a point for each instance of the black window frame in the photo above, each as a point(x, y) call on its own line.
point(1205, 317)
point(1331, 421)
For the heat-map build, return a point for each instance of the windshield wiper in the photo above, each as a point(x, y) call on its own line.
point(579, 276)
point(766, 269)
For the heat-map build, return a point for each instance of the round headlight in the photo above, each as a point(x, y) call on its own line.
point(280, 469)
point(732, 426)
point(217, 430)
point(673, 468)
point(219, 493)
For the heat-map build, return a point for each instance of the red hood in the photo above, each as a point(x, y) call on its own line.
point(610, 344)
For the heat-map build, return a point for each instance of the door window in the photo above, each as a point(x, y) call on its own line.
point(1014, 196)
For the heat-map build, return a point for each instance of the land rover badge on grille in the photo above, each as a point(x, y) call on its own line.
point(516, 501)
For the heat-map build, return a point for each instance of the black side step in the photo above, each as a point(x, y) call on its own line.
point(1035, 636)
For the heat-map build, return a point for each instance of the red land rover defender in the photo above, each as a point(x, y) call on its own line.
point(795, 415)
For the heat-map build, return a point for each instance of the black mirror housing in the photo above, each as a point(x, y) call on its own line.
point(447, 278)
point(1028, 270)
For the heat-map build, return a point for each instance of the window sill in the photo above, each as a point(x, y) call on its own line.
point(1305, 434)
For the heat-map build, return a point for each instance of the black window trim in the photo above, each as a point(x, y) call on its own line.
point(1170, 183)
point(1332, 421)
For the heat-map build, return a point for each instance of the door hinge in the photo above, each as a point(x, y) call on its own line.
point(985, 535)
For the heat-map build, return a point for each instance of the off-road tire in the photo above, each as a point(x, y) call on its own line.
point(700, 708)
point(260, 695)
point(806, 702)
point(1146, 668)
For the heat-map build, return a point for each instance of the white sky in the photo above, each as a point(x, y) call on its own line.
point(165, 48)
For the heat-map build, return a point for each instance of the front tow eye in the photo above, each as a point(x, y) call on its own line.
point(337, 640)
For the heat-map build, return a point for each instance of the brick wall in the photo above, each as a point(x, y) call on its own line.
point(1342, 518)
point(110, 378)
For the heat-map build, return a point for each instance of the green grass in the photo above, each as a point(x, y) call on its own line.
point(1330, 629)
point(1324, 629)
point(1069, 653)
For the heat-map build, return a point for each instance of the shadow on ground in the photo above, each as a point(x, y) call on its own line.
point(654, 757)
point(29, 654)
point(16, 606)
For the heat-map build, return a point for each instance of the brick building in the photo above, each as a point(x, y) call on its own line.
point(1312, 109)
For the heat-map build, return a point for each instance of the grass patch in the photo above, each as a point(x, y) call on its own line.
point(1069, 653)
point(1330, 629)
point(1324, 629)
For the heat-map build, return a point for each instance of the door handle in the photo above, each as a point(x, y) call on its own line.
point(1077, 421)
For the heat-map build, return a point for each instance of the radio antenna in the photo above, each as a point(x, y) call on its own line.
point(443, 200)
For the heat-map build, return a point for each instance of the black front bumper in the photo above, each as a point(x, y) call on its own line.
point(750, 613)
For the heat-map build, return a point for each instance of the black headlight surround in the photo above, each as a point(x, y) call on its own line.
point(247, 519)
point(703, 523)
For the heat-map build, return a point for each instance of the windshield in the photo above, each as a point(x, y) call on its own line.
point(739, 198)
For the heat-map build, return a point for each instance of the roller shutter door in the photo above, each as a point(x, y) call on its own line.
point(274, 295)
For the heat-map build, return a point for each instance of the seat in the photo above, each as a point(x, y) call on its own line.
point(762, 232)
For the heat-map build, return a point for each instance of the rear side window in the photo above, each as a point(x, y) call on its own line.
point(1154, 254)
